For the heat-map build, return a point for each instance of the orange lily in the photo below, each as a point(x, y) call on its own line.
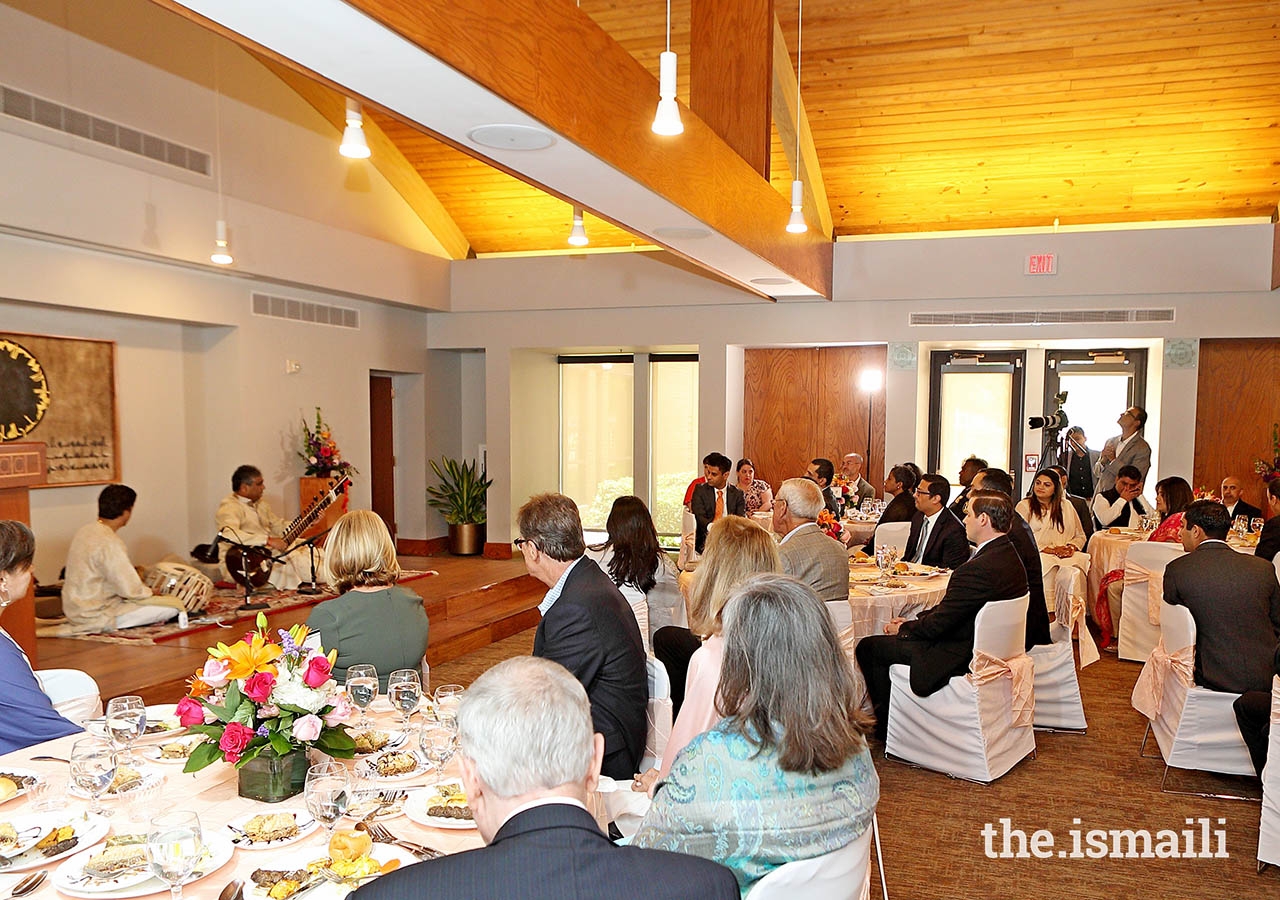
point(249, 658)
point(199, 688)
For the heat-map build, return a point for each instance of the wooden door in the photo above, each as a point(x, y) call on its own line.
point(382, 456)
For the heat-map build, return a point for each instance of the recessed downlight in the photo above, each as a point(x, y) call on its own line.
point(770, 281)
point(681, 233)
point(511, 137)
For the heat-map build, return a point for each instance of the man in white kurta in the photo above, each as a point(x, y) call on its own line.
point(102, 590)
point(244, 517)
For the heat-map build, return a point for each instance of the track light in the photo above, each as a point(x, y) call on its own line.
point(221, 249)
point(667, 121)
point(796, 224)
point(578, 234)
point(354, 146)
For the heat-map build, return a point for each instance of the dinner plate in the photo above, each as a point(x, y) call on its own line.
point(25, 773)
point(89, 830)
point(304, 820)
point(365, 769)
point(30, 830)
point(151, 752)
point(368, 804)
point(382, 853)
point(396, 739)
point(218, 853)
point(160, 716)
point(150, 778)
point(416, 808)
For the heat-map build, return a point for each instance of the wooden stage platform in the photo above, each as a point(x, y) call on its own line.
point(471, 604)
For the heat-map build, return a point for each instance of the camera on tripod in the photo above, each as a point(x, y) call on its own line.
point(1053, 421)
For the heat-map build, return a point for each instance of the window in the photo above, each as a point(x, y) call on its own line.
point(673, 437)
point(596, 422)
point(975, 406)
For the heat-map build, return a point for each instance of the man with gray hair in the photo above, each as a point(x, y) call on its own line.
point(807, 553)
point(529, 762)
point(851, 472)
point(587, 627)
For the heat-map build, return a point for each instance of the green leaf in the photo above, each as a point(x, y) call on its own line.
point(201, 756)
point(280, 743)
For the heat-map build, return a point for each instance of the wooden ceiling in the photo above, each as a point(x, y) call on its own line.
point(935, 115)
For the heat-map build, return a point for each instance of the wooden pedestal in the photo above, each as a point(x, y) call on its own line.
point(21, 466)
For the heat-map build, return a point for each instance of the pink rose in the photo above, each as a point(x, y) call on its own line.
point(307, 728)
point(234, 739)
point(341, 712)
point(268, 711)
point(190, 712)
point(318, 670)
point(258, 687)
point(215, 672)
point(209, 716)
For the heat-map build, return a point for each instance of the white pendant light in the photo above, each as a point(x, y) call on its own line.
point(578, 234)
point(354, 145)
point(796, 224)
point(221, 249)
point(667, 121)
point(221, 254)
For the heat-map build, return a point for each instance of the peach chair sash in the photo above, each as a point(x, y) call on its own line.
point(1136, 573)
point(1071, 615)
point(1148, 692)
point(1020, 670)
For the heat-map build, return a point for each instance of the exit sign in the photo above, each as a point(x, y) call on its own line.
point(1041, 264)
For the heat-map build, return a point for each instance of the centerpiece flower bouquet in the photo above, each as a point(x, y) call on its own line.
point(830, 525)
point(258, 694)
point(320, 453)
point(1270, 469)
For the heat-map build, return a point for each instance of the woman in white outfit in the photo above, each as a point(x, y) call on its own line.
point(642, 572)
point(1061, 539)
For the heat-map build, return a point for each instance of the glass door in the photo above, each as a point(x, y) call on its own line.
point(975, 407)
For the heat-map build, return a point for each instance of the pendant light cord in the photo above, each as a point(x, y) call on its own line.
point(217, 119)
point(799, 45)
point(668, 26)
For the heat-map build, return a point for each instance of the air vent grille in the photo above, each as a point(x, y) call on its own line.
point(304, 311)
point(30, 108)
point(1041, 317)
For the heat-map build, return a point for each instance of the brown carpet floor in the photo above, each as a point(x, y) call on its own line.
point(931, 826)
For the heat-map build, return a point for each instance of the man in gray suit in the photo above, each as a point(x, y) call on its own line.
point(1234, 599)
point(807, 553)
point(1128, 448)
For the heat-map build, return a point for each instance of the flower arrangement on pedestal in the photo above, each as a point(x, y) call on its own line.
point(843, 488)
point(320, 453)
point(1270, 470)
point(259, 696)
point(830, 525)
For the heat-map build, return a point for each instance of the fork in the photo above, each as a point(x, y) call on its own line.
point(381, 835)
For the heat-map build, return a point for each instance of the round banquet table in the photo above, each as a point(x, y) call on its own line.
point(1108, 552)
point(211, 793)
point(858, 531)
point(872, 607)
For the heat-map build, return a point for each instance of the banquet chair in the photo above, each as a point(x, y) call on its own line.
point(659, 715)
point(1269, 828)
point(843, 874)
point(1059, 706)
point(74, 693)
point(688, 539)
point(979, 726)
point(1143, 588)
point(893, 534)
point(1195, 728)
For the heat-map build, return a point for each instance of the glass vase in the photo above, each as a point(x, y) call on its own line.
point(271, 778)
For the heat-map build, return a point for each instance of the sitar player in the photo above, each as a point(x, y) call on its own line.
point(246, 518)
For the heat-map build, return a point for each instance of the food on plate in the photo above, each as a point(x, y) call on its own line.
point(114, 860)
point(279, 883)
point(126, 777)
point(360, 867)
point(8, 835)
point(449, 802)
point(7, 788)
point(395, 763)
point(58, 841)
point(177, 749)
point(271, 827)
point(349, 844)
point(10, 784)
point(901, 568)
point(1113, 531)
point(371, 741)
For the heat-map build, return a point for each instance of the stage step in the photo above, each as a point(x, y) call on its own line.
point(478, 618)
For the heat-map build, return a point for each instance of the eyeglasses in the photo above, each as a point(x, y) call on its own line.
point(920, 493)
point(521, 541)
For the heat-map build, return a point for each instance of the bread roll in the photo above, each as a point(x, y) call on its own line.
point(349, 844)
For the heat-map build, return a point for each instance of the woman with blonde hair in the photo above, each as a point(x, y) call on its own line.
point(736, 549)
point(374, 621)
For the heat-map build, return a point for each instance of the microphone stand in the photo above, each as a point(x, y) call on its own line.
point(248, 605)
point(312, 587)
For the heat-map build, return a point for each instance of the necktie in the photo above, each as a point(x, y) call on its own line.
point(719, 504)
point(924, 539)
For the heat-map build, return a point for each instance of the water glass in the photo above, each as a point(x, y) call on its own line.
point(327, 793)
point(362, 688)
point(1255, 525)
point(1240, 526)
point(174, 847)
point(93, 768)
point(448, 696)
point(405, 691)
point(48, 794)
point(126, 721)
point(437, 743)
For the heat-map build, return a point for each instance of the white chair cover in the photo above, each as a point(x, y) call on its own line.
point(841, 614)
point(1138, 629)
point(1269, 829)
point(1057, 686)
point(666, 603)
point(74, 693)
point(843, 874)
point(688, 534)
point(658, 731)
point(976, 726)
point(893, 534)
point(1194, 727)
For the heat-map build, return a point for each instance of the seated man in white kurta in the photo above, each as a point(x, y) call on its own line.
point(102, 590)
point(244, 517)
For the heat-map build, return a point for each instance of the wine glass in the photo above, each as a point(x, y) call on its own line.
point(327, 792)
point(174, 847)
point(437, 742)
point(448, 696)
point(404, 688)
point(93, 768)
point(1240, 526)
point(1255, 525)
point(362, 688)
point(126, 721)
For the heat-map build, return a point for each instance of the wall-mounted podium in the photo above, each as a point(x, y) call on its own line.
point(22, 465)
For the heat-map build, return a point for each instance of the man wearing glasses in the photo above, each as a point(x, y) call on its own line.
point(937, 537)
point(1128, 448)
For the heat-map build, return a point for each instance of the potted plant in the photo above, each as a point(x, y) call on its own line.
point(460, 498)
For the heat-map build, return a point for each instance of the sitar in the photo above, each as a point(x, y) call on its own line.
point(252, 567)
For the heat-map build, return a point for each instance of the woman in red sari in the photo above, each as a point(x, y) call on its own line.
point(1173, 496)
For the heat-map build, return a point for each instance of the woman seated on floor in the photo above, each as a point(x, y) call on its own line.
point(1061, 540)
point(643, 573)
point(374, 622)
point(786, 775)
point(1173, 496)
point(27, 716)
point(737, 549)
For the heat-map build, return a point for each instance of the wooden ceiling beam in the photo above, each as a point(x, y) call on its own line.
point(386, 158)
point(730, 73)
point(786, 100)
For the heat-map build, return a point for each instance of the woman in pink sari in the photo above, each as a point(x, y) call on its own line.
point(1173, 496)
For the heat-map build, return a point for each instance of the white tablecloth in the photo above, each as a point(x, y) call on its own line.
point(1109, 551)
point(872, 611)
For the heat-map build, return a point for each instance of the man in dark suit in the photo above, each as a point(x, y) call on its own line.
point(529, 764)
point(939, 644)
point(968, 469)
point(715, 497)
point(1121, 505)
point(1079, 502)
point(820, 472)
point(1253, 718)
point(587, 627)
point(900, 484)
point(1235, 504)
point(1269, 540)
point(944, 544)
point(1078, 460)
point(1024, 541)
point(1234, 599)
